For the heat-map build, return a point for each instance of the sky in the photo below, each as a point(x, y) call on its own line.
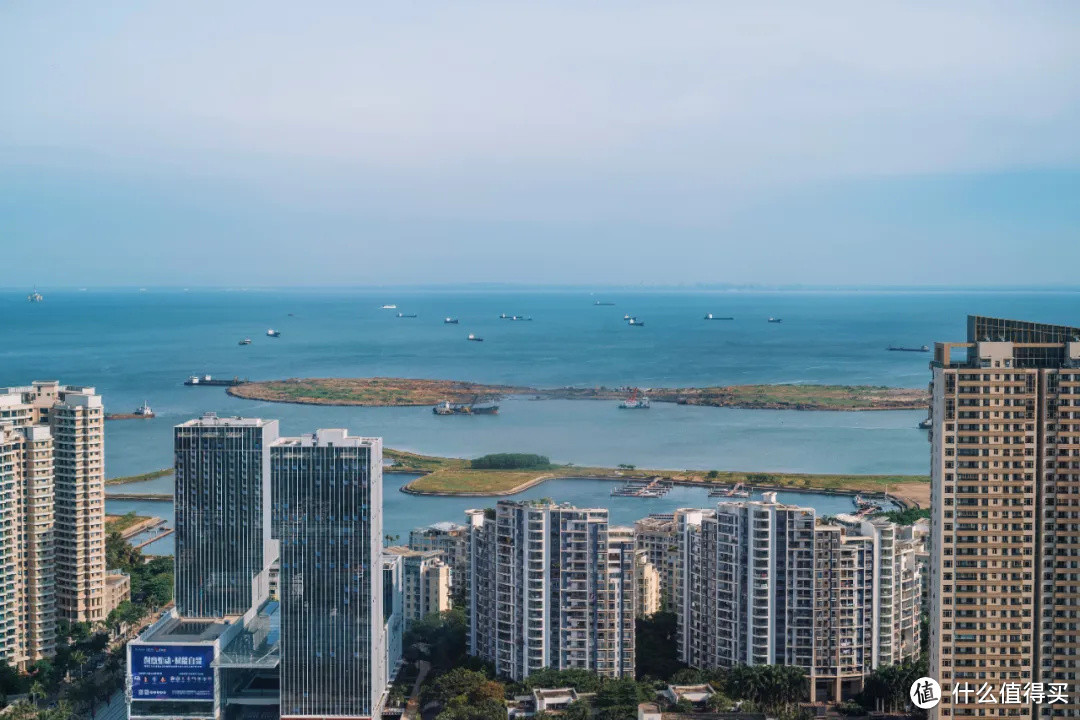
point(354, 143)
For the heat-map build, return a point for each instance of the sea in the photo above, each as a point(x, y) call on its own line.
point(140, 345)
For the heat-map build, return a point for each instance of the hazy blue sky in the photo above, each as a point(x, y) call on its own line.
point(269, 143)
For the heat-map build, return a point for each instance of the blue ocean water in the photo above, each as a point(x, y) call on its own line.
point(135, 346)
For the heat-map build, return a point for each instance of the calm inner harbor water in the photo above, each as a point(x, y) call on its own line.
point(135, 346)
point(403, 512)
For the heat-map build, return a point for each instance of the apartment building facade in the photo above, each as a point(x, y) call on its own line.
point(1005, 476)
point(425, 582)
point(550, 586)
point(450, 541)
point(759, 582)
point(64, 502)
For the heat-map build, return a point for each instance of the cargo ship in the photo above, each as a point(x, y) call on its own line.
point(710, 316)
point(448, 408)
point(898, 348)
point(212, 382)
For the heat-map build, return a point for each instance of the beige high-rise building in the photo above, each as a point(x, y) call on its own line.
point(647, 582)
point(1005, 493)
point(75, 420)
point(425, 582)
point(27, 596)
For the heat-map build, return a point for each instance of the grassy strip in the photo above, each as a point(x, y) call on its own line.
point(137, 478)
point(457, 479)
point(120, 523)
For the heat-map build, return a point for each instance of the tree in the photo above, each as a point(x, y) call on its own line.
point(37, 692)
point(621, 691)
point(584, 681)
point(577, 710)
point(657, 649)
point(684, 706)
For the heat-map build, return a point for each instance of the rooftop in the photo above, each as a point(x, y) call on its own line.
point(175, 629)
point(327, 437)
point(212, 420)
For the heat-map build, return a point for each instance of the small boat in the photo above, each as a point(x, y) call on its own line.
point(636, 401)
point(602, 302)
point(710, 316)
point(388, 307)
point(504, 316)
point(474, 338)
point(776, 320)
point(636, 323)
point(144, 410)
point(406, 315)
point(926, 424)
point(898, 348)
point(245, 341)
point(451, 321)
point(627, 316)
point(273, 333)
point(291, 315)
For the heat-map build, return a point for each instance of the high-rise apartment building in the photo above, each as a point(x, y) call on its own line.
point(450, 540)
point(656, 535)
point(647, 585)
point(1005, 481)
point(75, 564)
point(223, 545)
point(327, 514)
point(550, 586)
point(27, 589)
point(425, 582)
point(765, 583)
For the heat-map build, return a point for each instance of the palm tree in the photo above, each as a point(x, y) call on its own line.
point(37, 692)
point(78, 658)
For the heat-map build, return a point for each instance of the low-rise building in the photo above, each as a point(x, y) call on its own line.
point(449, 540)
point(117, 589)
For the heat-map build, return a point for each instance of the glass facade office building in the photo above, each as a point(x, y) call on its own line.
point(326, 510)
point(223, 544)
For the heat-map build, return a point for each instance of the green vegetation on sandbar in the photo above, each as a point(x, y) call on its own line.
point(511, 461)
point(138, 478)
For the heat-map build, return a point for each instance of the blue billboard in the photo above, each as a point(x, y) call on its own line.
point(172, 672)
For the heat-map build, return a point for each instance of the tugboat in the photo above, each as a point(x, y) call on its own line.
point(273, 333)
point(710, 316)
point(636, 401)
point(776, 320)
point(245, 341)
point(451, 321)
point(926, 424)
point(474, 338)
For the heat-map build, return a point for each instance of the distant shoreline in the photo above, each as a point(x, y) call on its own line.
point(414, 392)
